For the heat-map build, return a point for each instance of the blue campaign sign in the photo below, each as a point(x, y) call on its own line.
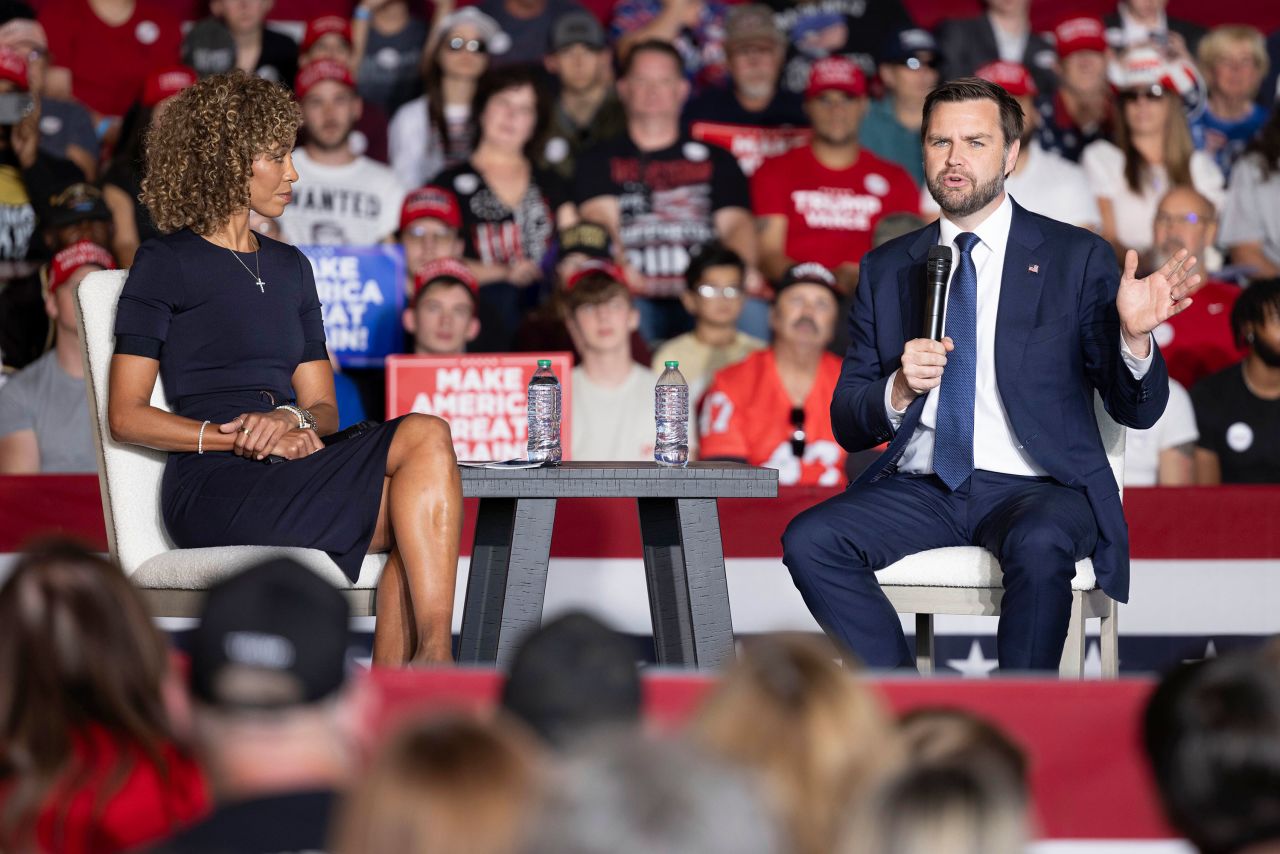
point(362, 291)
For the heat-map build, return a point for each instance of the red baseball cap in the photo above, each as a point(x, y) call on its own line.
point(73, 258)
point(594, 266)
point(13, 67)
point(318, 28)
point(838, 74)
point(433, 202)
point(320, 71)
point(1013, 76)
point(445, 268)
point(1082, 33)
point(165, 83)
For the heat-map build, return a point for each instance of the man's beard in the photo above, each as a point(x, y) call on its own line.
point(953, 203)
point(1269, 355)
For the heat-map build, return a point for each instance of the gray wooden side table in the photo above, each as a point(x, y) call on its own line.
point(679, 529)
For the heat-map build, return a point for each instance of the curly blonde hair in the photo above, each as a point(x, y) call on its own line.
point(200, 149)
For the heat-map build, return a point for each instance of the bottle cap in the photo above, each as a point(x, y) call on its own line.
point(672, 363)
point(544, 363)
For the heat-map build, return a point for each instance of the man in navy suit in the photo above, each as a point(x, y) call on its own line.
point(994, 439)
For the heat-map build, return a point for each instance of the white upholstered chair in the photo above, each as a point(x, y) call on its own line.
point(966, 580)
point(172, 579)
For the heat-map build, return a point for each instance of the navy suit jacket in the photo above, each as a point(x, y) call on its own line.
point(1057, 340)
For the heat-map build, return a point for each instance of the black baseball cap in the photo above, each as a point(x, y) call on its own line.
point(589, 238)
point(808, 273)
point(79, 202)
point(910, 43)
point(270, 637)
point(577, 27)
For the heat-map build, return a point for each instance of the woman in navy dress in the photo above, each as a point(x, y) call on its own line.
point(231, 322)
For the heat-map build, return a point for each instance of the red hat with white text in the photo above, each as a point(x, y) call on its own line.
point(835, 73)
point(75, 256)
point(1012, 76)
point(318, 28)
point(445, 268)
point(319, 71)
point(164, 83)
point(433, 203)
point(1077, 34)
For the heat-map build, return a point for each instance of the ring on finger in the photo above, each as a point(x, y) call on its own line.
point(246, 430)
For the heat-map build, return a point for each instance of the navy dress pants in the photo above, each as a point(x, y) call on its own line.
point(1035, 527)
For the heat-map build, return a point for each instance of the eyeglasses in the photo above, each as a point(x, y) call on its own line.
point(469, 45)
point(430, 233)
point(1167, 219)
point(714, 291)
point(798, 438)
point(1154, 92)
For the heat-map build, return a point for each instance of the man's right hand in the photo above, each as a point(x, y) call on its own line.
point(922, 362)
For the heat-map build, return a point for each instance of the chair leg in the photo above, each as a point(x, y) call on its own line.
point(1072, 664)
point(924, 643)
point(1110, 640)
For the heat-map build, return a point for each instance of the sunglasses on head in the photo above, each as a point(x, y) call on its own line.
point(1154, 92)
point(469, 45)
point(798, 438)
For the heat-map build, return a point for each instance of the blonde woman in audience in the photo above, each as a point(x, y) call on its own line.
point(819, 739)
point(434, 131)
point(90, 761)
point(451, 785)
point(1152, 153)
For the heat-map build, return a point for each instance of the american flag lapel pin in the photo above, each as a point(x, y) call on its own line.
point(1034, 268)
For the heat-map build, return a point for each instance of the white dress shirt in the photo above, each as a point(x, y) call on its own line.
point(995, 447)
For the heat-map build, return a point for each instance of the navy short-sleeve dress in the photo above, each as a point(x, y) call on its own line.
point(226, 347)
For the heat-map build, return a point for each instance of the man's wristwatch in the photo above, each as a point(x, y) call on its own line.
point(306, 421)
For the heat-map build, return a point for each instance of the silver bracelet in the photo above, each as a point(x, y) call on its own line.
point(200, 438)
point(305, 419)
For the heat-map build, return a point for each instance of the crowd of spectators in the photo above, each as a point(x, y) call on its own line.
point(262, 735)
point(695, 153)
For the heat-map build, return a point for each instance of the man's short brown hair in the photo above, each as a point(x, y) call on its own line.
point(595, 288)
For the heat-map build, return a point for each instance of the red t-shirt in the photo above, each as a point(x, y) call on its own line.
point(831, 213)
point(746, 415)
point(140, 809)
point(109, 65)
point(1198, 341)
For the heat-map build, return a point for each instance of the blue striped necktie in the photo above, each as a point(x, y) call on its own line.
point(953, 438)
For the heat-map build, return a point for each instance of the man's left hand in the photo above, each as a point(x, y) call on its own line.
point(1143, 304)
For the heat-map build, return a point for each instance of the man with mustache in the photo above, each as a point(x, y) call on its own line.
point(994, 438)
point(771, 409)
point(1238, 409)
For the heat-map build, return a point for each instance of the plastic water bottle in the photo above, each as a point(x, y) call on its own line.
point(671, 412)
point(544, 415)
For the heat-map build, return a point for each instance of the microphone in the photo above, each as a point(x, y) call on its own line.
point(937, 271)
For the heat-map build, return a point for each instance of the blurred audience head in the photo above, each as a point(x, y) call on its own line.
point(1082, 55)
point(242, 17)
point(67, 269)
point(817, 737)
point(586, 241)
point(806, 307)
point(1015, 79)
point(652, 84)
point(442, 318)
point(330, 106)
point(599, 310)
point(629, 794)
point(460, 46)
point(510, 111)
point(1265, 147)
point(1185, 219)
point(909, 69)
point(938, 736)
point(429, 223)
point(571, 678)
point(1233, 59)
point(578, 55)
point(716, 290)
point(22, 32)
point(1255, 320)
point(79, 652)
point(448, 785)
point(754, 49)
point(268, 668)
point(326, 37)
point(941, 808)
point(1212, 734)
point(74, 213)
point(1151, 108)
point(836, 101)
